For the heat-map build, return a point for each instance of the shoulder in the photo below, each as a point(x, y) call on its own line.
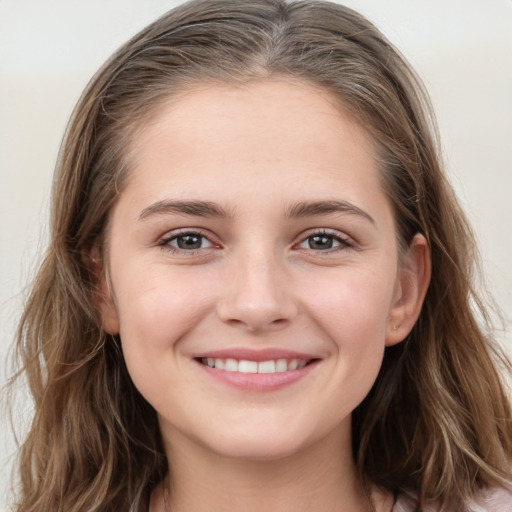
point(496, 499)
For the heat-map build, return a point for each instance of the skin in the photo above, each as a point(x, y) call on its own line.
point(256, 279)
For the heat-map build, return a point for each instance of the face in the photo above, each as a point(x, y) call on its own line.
point(254, 273)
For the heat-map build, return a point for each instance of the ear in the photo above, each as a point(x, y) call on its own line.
point(411, 286)
point(102, 292)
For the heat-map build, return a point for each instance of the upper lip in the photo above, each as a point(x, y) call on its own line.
point(260, 355)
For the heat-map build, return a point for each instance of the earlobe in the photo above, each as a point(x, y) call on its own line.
point(411, 287)
point(102, 292)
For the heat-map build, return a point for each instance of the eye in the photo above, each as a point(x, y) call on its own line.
point(186, 241)
point(324, 241)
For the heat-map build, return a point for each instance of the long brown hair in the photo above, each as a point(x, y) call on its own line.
point(437, 421)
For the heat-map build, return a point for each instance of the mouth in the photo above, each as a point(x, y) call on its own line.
point(257, 371)
point(251, 370)
point(280, 365)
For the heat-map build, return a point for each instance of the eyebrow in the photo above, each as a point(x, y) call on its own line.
point(312, 208)
point(211, 209)
point(196, 208)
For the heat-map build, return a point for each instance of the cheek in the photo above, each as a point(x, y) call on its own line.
point(352, 312)
point(353, 307)
point(157, 308)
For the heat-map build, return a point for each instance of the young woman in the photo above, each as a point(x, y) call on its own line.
point(258, 294)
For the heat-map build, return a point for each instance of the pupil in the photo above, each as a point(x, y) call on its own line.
point(320, 242)
point(189, 242)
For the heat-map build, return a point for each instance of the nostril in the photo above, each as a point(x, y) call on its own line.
point(235, 322)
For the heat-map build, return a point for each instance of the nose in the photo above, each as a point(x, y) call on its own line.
point(258, 293)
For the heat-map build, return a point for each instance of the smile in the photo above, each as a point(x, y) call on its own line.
point(248, 366)
point(250, 370)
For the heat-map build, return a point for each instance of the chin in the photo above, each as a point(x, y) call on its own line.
point(258, 449)
point(263, 442)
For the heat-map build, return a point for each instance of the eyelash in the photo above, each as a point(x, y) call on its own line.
point(165, 243)
point(344, 241)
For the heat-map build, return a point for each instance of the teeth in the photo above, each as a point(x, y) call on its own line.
point(231, 365)
point(245, 366)
point(266, 367)
point(248, 367)
point(281, 365)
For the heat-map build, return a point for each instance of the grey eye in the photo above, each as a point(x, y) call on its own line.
point(320, 242)
point(189, 242)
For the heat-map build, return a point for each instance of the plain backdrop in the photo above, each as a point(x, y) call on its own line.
point(50, 48)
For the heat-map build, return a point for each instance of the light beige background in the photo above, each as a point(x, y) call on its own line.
point(50, 48)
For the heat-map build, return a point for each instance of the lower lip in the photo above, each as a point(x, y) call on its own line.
point(259, 382)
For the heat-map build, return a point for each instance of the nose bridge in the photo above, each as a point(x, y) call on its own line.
point(258, 276)
point(257, 296)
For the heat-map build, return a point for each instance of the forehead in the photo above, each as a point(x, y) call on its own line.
point(263, 118)
point(227, 131)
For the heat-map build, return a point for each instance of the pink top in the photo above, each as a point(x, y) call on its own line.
point(487, 500)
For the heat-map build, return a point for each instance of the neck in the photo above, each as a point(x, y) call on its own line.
point(319, 477)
